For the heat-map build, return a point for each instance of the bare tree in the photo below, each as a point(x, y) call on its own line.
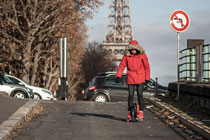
point(29, 32)
point(96, 60)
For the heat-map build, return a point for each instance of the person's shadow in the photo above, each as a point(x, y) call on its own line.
point(99, 115)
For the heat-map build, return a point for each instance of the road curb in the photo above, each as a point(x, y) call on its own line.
point(17, 118)
point(194, 125)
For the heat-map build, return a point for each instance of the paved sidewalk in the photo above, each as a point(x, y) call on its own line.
point(13, 112)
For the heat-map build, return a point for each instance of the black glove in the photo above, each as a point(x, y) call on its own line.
point(118, 79)
point(147, 82)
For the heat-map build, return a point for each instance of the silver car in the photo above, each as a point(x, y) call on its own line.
point(39, 93)
point(7, 86)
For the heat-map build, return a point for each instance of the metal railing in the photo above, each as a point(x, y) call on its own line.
point(187, 68)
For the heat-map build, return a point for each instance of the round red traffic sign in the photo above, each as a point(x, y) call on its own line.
point(179, 21)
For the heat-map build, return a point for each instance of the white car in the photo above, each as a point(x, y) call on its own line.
point(12, 90)
point(39, 93)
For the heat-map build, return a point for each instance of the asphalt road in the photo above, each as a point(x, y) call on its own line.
point(92, 121)
point(8, 105)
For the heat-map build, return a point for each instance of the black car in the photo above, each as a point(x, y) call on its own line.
point(104, 88)
point(152, 85)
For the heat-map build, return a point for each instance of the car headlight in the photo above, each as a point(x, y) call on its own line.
point(47, 92)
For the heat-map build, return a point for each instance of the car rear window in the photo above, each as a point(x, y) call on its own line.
point(97, 81)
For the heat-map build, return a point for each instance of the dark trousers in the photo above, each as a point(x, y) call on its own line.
point(139, 89)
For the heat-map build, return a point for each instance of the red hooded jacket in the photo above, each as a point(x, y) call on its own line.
point(138, 68)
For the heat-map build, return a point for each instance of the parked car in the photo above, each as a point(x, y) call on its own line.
point(39, 93)
point(152, 84)
point(16, 91)
point(104, 88)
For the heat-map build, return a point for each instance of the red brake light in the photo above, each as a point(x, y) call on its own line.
point(92, 88)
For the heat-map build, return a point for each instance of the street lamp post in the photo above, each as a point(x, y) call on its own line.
point(63, 80)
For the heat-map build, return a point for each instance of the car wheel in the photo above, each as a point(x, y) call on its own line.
point(100, 98)
point(37, 96)
point(19, 95)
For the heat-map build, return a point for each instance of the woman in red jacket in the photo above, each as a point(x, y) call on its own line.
point(138, 72)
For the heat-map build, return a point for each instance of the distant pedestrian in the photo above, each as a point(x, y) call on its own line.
point(138, 72)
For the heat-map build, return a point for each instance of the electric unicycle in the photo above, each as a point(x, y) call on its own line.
point(134, 112)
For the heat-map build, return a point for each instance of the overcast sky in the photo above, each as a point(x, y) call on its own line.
point(150, 26)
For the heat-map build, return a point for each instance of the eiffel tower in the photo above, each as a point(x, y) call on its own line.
point(119, 31)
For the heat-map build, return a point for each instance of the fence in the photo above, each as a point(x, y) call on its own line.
point(194, 65)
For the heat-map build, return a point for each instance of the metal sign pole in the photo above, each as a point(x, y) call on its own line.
point(178, 65)
point(179, 21)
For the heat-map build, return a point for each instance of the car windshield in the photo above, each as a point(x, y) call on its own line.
point(16, 80)
point(24, 81)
